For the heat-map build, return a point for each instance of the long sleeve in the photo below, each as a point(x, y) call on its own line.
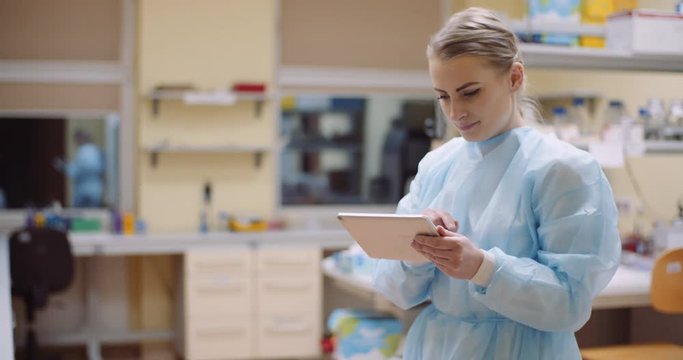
point(578, 253)
point(404, 284)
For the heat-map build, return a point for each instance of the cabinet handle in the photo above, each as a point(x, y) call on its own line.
point(289, 328)
point(288, 262)
point(219, 331)
point(292, 285)
point(212, 265)
point(213, 288)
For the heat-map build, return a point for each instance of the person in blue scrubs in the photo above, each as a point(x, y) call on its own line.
point(86, 171)
point(527, 224)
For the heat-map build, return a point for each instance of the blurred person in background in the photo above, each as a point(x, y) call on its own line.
point(86, 171)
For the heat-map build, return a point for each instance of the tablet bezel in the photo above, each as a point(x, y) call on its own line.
point(387, 236)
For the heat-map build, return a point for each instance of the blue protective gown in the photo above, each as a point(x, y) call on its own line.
point(86, 172)
point(545, 210)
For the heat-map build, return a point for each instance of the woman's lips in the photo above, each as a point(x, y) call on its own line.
point(467, 127)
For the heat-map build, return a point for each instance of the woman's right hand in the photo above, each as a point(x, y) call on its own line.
point(442, 218)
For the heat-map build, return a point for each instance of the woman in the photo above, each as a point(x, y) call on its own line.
point(527, 224)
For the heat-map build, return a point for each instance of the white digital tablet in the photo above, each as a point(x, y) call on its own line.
point(387, 236)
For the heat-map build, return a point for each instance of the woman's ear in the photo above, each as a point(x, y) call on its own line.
point(516, 76)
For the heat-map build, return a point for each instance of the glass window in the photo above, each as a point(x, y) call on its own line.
point(70, 161)
point(353, 149)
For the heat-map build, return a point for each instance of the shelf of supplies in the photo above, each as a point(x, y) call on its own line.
point(212, 98)
point(315, 146)
point(551, 56)
point(651, 146)
point(572, 94)
point(536, 27)
point(257, 150)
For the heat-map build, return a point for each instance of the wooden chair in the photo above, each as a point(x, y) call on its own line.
point(666, 294)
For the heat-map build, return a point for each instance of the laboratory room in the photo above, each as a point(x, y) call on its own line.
point(341, 179)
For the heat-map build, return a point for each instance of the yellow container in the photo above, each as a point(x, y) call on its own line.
point(128, 223)
point(595, 12)
point(238, 225)
point(288, 103)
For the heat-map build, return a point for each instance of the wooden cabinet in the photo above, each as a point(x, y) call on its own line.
point(289, 302)
point(250, 302)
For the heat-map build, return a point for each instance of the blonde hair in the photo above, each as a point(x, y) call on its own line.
point(479, 32)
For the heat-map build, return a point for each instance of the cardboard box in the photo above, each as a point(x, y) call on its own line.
point(646, 32)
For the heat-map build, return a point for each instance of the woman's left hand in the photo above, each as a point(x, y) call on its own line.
point(453, 253)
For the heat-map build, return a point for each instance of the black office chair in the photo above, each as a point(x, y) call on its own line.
point(41, 263)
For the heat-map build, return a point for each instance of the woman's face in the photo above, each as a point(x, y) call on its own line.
point(476, 97)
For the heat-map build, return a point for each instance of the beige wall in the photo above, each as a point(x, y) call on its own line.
point(60, 30)
point(59, 96)
point(358, 33)
point(210, 44)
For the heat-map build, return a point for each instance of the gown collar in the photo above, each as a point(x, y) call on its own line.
point(479, 149)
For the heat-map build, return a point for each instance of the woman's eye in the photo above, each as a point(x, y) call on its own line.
point(442, 97)
point(471, 93)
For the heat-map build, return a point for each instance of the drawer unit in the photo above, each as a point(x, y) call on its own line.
point(251, 303)
point(289, 293)
point(216, 309)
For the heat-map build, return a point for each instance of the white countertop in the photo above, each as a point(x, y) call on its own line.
point(84, 244)
point(629, 287)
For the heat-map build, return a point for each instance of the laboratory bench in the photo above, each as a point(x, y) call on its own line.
point(240, 295)
point(272, 283)
point(622, 312)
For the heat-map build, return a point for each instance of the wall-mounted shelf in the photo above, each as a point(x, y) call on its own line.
point(191, 96)
point(317, 146)
point(534, 27)
point(562, 95)
point(651, 147)
point(550, 56)
point(165, 147)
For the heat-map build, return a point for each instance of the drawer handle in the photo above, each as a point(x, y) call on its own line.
point(288, 262)
point(272, 285)
point(219, 288)
point(210, 265)
point(289, 328)
point(219, 331)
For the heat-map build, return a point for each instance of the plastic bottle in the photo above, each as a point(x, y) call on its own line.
point(116, 222)
point(205, 210)
point(128, 223)
point(560, 116)
point(645, 119)
point(659, 237)
point(565, 129)
point(579, 115)
point(657, 110)
point(614, 112)
point(676, 112)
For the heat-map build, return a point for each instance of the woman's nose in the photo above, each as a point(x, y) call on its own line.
point(454, 111)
